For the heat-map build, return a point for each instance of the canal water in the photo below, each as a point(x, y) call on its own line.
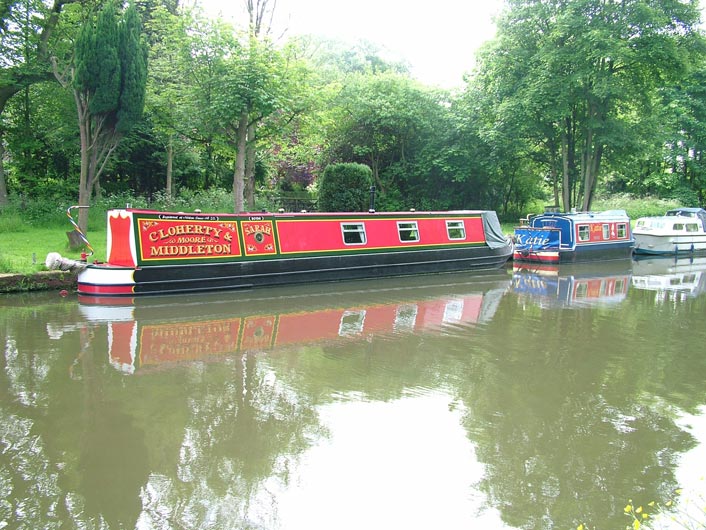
point(534, 397)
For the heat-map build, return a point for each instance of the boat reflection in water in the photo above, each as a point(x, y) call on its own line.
point(154, 331)
point(567, 286)
point(670, 278)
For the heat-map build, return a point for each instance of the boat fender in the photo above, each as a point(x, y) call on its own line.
point(55, 261)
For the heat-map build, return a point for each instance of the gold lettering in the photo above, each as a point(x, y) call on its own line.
point(190, 250)
point(258, 228)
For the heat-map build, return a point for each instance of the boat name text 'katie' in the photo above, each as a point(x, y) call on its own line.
point(528, 240)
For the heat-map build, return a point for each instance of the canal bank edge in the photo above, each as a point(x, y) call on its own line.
point(38, 281)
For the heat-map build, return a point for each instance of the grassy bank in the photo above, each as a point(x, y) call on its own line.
point(24, 251)
point(30, 229)
point(29, 232)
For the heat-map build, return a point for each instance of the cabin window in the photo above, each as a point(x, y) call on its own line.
point(353, 233)
point(408, 231)
point(455, 229)
point(453, 311)
point(692, 227)
point(352, 323)
point(584, 233)
point(406, 317)
point(606, 231)
point(622, 230)
point(678, 226)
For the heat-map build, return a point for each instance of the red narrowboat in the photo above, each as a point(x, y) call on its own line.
point(153, 332)
point(151, 252)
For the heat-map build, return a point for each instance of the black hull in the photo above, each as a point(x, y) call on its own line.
point(245, 275)
point(607, 254)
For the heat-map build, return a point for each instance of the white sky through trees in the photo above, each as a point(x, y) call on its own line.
point(437, 38)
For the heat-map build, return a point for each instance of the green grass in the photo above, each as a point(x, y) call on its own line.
point(24, 251)
point(636, 207)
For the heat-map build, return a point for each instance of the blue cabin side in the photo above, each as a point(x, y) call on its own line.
point(556, 221)
point(616, 222)
point(567, 237)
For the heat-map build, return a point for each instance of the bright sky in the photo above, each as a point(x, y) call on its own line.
point(437, 38)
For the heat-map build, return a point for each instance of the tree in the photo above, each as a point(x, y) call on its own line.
point(485, 165)
point(573, 75)
point(685, 107)
point(41, 144)
point(382, 120)
point(168, 101)
point(108, 77)
point(262, 90)
point(244, 175)
point(25, 31)
point(345, 188)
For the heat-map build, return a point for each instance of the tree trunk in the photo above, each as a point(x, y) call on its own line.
point(376, 174)
point(96, 149)
point(566, 180)
point(4, 201)
point(593, 164)
point(250, 168)
point(239, 172)
point(84, 185)
point(97, 192)
point(170, 160)
point(554, 170)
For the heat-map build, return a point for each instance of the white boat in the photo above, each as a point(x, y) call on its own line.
point(679, 231)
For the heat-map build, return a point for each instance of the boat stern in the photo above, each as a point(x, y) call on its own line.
point(106, 280)
point(536, 244)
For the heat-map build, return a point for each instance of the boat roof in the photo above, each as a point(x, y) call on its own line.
point(305, 213)
point(686, 211)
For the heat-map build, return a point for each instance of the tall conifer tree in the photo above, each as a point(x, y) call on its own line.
point(109, 79)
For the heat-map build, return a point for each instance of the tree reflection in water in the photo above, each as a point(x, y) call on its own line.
point(567, 413)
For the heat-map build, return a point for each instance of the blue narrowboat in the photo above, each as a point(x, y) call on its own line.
point(554, 237)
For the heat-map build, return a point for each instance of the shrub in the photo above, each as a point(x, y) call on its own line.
point(345, 188)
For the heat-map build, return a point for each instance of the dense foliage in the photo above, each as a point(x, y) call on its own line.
point(344, 188)
point(570, 102)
